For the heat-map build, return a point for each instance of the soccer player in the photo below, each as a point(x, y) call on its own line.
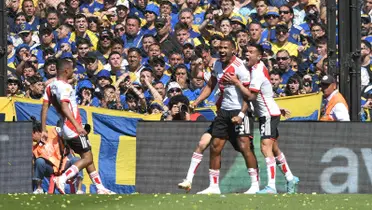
point(62, 96)
point(231, 120)
point(260, 92)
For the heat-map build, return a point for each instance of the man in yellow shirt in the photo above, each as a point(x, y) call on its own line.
point(282, 43)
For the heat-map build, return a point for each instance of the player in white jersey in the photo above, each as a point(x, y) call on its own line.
point(261, 94)
point(62, 96)
point(231, 120)
point(205, 139)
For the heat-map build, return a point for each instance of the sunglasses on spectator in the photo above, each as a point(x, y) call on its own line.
point(35, 61)
point(271, 16)
point(64, 9)
point(105, 37)
point(120, 29)
point(283, 12)
point(180, 73)
point(293, 66)
point(282, 58)
point(174, 90)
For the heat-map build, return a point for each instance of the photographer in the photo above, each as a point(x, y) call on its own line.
point(179, 110)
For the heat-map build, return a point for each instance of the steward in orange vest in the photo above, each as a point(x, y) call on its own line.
point(335, 107)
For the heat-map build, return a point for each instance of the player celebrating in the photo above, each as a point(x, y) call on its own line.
point(62, 96)
point(260, 93)
point(230, 113)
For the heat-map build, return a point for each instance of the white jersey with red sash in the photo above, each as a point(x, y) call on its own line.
point(60, 91)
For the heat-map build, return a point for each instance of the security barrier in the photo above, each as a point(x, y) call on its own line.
point(327, 157)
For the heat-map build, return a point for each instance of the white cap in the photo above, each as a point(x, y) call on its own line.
point(173, 85)
point(123, 2)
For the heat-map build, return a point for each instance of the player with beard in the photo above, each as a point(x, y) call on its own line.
point(260, 92)
point(231, 121)
point(61, 95)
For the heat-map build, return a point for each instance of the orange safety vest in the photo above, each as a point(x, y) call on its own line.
point(50, 151)
point(336, 98)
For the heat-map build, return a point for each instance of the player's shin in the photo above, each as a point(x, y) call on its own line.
point(194, 164)
point(283, 165)
point(271, 171)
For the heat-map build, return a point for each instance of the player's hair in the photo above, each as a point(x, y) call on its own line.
point(63, 63)
point(257, 46)
point(230, 40)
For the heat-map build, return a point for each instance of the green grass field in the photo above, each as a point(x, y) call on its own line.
point(186, 201)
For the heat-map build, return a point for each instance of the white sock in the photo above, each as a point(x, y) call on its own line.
point(253, 173)
point(194, 164)
point(283, 165)
point(69, 173)
point(214, 176)
point(271, 171)
point(96, 179)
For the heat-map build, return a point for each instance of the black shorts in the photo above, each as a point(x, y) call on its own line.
point(269, 127)
point(223, 127)
point(233, 134)
point(79, 144)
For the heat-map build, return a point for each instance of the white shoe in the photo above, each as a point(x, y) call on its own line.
point(80, 192)
point(38, 191)
point(59, 184)
point(186, 185)
point(252, 190)
point(104, 191)
point(210, 190)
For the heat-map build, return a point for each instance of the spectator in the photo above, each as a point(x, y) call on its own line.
point(133, 35)
point(276, 80)
point(36, 87)
point(156, 107)
point(29, 9)
point(110, 99)
point(255, 32)
point(179, 110)
point(158, 65)
point(294, 86)
point(14, 88)
point(282, 34)
point(286, 13)
point(365, 71)
point(284, 62)
point(335, 107)
point(85, 93)
point(167, 42)
point(134, 63)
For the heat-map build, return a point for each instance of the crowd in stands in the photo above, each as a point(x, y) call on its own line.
point(135, 55)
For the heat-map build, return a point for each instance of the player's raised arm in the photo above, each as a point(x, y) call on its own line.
point(206, 92)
